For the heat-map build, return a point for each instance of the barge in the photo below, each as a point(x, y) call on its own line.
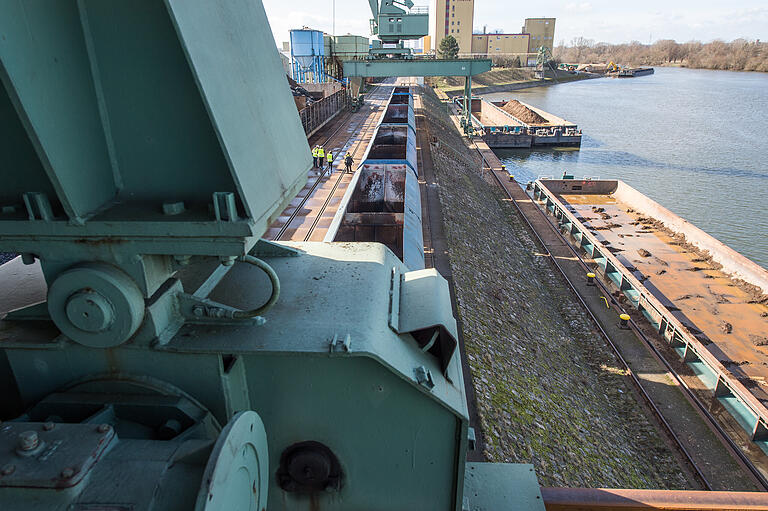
point(706, 300)
point(502, 129)
point(633, 72)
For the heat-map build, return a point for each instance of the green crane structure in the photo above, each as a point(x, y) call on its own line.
point(393, 25)
point(395, 22)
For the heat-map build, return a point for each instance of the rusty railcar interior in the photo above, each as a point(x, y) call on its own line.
point(384, 204)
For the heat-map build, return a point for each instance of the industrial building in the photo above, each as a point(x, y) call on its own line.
point(542, 32)
point(316, 57)
point(500, 44)
point(456, 18)
point(536, 32)
point(452, 17)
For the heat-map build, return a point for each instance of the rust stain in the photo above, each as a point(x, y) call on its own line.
point(113, 366)
point(728, 316)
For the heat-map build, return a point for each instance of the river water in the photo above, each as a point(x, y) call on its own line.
point(695, 141)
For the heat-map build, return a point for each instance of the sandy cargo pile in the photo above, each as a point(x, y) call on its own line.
point(523, 113)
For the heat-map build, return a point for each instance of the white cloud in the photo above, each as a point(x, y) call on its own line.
point(578, 7)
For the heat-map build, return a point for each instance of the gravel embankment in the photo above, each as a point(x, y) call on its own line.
point(549, 390)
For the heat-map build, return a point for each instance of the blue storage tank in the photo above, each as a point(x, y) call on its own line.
point(307, 56)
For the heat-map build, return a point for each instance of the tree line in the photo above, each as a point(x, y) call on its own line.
point(737, 55)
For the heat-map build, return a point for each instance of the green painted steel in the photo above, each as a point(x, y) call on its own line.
point(497, 486)
point(326, 367)
point(416, 67)
point(133, 123)
point(140, 152)
point(350, 47)
point(147, 145)
point(394, 24)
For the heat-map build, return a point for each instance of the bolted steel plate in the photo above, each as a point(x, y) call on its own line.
point(50, 455)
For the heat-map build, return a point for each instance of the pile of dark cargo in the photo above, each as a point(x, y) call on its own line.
point(299, 91)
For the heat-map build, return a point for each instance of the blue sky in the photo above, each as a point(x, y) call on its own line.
point(609, 21)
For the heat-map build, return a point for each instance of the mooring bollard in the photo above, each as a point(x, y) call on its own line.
point(624, 321)
point(590, 279)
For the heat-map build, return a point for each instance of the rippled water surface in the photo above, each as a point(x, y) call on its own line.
point(696, 141)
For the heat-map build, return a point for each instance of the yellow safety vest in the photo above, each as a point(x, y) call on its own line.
point(314, 152)
point(321, 152)
point(330, 157)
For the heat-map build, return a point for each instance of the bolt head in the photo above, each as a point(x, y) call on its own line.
point(103, 428)
point(67, 473)
point(28, 440)
point(49, 426)
point(7, 469)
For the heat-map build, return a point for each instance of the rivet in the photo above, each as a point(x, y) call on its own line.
point(103, 428)
point(28, 440)
point(8, 469)
point(49, 426)
point(67, 473)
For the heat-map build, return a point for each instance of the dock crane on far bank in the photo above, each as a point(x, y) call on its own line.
point(544, 61)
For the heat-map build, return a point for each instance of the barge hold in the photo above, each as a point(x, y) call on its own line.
point(513, 124)
point(706, 300)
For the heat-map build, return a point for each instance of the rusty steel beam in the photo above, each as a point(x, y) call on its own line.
point(584, 499)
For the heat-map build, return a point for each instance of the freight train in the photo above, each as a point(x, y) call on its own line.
point(383, 202)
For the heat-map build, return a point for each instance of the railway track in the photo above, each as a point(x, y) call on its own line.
point(377, 95)
point(711, 421)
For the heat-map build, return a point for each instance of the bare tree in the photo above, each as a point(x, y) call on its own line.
point(739, 55)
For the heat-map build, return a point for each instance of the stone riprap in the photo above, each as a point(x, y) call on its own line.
point(549, 389)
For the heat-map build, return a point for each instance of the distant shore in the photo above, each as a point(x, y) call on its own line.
point(737, 55)
point(516, 85)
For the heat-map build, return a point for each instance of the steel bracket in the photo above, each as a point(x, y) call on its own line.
point(419, 305)
point(199, 310)
point(340, 346)
point(423, 377)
